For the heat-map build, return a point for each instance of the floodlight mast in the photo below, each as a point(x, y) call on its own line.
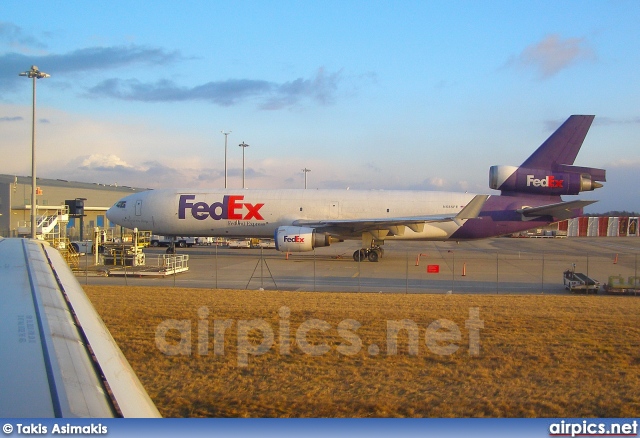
point(305, 170)
point(225, 157)
point(243, 145)
point(34, 74)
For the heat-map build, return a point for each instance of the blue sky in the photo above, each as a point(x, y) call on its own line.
point(423, 95)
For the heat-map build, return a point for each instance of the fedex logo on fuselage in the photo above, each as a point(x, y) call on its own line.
point(549, 181)
point(293, 239)
point(231, 208)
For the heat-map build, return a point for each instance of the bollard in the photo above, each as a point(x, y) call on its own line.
point(418, 258)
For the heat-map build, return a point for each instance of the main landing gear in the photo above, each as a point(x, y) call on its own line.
point(372, 254)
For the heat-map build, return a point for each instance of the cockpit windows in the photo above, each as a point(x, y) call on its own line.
point(121, 204)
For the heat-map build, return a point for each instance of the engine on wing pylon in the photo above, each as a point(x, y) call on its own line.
point(299, 239)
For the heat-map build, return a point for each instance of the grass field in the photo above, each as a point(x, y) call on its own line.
point(539, 356)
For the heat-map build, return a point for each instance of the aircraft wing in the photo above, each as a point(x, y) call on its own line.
point(396, 224)
point(57, 357)
point(560, 210)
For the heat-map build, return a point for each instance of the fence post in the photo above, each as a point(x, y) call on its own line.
point(216, 243)
point(453, 271)
point(497, 274)
point(406, 282)
point(543, 272)
point(359, 272)
point(587, 268)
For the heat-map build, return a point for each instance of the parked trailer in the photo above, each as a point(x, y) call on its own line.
point(618, 286)
point(237, 244)
point(578, 282)
point(181, 242)
point(82, 246)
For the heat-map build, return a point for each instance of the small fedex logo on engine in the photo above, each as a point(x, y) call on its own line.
point(231, 207)
point(550, 181)
point(293, 239)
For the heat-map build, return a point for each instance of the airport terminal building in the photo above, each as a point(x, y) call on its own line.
point(15, 202)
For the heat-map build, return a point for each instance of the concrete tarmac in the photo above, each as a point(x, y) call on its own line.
point(491, 266)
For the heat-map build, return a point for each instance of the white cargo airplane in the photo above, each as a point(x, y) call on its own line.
point(301, 220)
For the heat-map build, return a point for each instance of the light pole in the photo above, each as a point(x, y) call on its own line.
point(34, 74)
point(243, 145)
point(225, 157)
point(305, 170)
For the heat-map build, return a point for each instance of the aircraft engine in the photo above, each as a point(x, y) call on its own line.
point(299, 239)
point(567, 180)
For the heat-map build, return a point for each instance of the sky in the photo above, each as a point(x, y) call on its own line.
point(411, 95)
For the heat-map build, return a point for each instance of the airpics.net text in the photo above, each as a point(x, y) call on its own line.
point(256, 337)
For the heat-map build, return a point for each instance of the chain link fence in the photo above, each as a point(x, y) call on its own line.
point(426, 268)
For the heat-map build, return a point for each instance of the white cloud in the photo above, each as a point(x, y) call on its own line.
point(626, 163)
point(464, 185)
point(103, 162)
point(552, 55)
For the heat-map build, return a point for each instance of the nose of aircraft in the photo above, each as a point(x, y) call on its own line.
point(111, 214)
point(116, 213)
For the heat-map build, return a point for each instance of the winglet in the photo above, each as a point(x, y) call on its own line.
point(473, 208)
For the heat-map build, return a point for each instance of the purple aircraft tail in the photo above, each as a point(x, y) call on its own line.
point(562, 146)
point(549, 171)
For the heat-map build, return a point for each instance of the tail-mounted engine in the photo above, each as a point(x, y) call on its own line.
point(299, 239)
point(564, 180)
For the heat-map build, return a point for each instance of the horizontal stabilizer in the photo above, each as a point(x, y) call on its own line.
point(560, 210)
point(594, 173)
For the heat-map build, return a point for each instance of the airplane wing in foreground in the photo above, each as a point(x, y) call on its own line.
point(58, 358)
point(395, 225)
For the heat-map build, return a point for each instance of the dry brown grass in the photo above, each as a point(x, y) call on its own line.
point(540, 356)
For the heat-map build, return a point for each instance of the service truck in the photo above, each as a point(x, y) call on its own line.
point(181, 242)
